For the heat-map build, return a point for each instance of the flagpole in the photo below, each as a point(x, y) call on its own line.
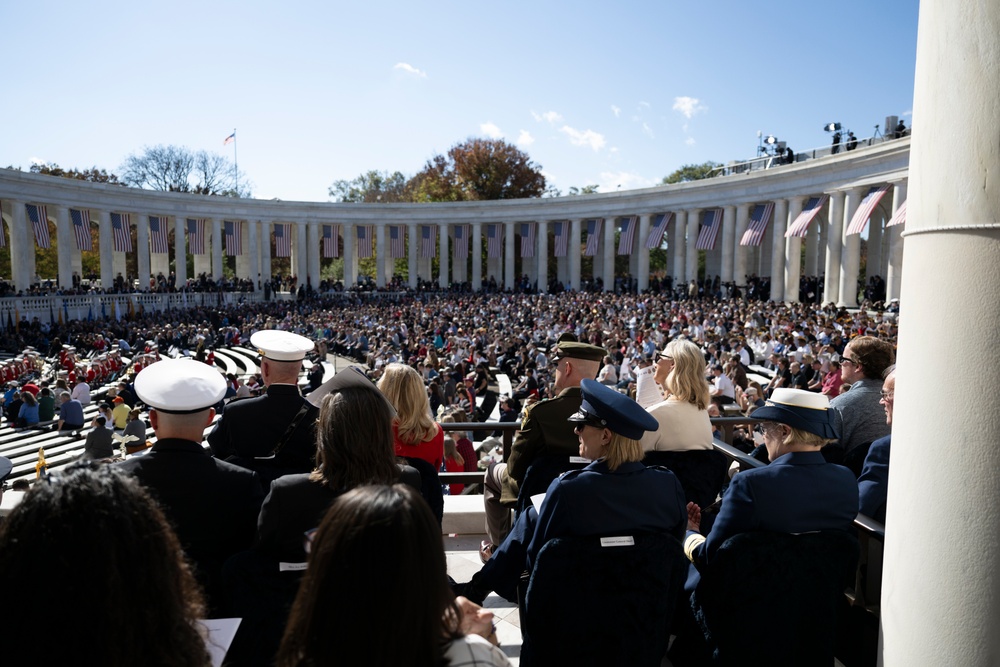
point(236, 166)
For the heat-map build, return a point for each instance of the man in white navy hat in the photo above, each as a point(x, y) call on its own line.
point(273, 434)
point(212, 504)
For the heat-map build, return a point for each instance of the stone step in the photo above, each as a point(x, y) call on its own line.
point(463, 515)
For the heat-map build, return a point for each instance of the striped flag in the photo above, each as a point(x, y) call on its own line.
point(562, 238)
point(656, 232)
point(758, 223)
point(493, 240)
point(864, 212)
point(3, 239)
point(283, 239)
point(800, 227)
point(527, 239)
point(364, 240)
point(331, 238)
point(196, 235)
point(230, 139)
point(898, 218)
point(234, 237)
point(81, 229)
point(626, 229)
point(593, 236)
point(120, 232)
point(158, 235)
point(461, 235)
point(40, 221)
point(711, 221)
point(397, 246)
point(427, 240)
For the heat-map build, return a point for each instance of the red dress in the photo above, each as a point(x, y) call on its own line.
point(431, 450)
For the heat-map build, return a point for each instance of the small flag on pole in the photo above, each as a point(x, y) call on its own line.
point(230, 139)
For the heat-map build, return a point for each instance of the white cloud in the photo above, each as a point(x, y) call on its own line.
point(689, 106)
point(407, 67)
point(36, 160)
point(648, 130)
point(690, 141)
point(645, 105)
point(552, 117)
point(609, 181)
point(908, 113)
point(491, 130)
point(616, 110)
point(584, 138)
point(525, 138)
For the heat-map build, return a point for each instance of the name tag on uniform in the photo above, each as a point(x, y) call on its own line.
point(292, 567)
point(578, 459)
point(625, 541)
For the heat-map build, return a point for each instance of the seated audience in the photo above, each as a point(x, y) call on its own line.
point(415, 433)
point(873, 484)
point(683, 418)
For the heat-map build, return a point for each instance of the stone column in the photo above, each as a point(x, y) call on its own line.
point(543, 256)
point(793, 253)
point(443, 277)
point(411, 262)
point(22, 246)
point(812, 242)
point(142, 249)
point(850, 258)
point(215, 225)
point(106, 247)
point(476, 246)
point(941, 585)
point(691, 252)
point(64, 246)
point(382, 253)
point(739, 251)
point(642, 275)
point(608, 252)
point(350, 256)
point(255, 275)
point(312, 253)
point(728, 243)
point(180, 247)
point(508, 255)
point(895, 271)
point(680, 233)
point(834, 247)
point(778, 227)
point(265, 249)
point(573, 251)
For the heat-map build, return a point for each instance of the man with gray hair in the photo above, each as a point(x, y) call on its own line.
point(70, 413)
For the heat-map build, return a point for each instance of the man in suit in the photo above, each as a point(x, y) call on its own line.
point(873, 484)
point(544, 432)
point(273, 434)
point(860, 418)
point(212, 504)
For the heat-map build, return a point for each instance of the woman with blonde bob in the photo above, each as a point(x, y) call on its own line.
point(415, 433)
point(683, 416)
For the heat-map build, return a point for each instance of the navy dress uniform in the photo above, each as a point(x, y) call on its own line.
point(273, 434)
point(594, 501)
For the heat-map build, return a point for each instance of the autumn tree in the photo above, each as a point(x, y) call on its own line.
point(92, 175)
point(476, 170)
point(691, 172)
point(372, 187)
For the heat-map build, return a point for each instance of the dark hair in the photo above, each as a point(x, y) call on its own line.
point(354, 444)
point(873, 354)
point(91, 539)
point(373, 533)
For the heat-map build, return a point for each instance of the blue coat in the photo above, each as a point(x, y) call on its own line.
point(873, 484)
point(798, 492)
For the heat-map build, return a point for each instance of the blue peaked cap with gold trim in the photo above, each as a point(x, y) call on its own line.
point(614, 410)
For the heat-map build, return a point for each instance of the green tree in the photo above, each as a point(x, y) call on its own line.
point(477, 170)
point(585, 190)
point(93, 175)
point(372, 187)
point(691, 172)
point(179, 169)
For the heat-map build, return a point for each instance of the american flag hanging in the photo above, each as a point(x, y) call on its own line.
point(711, 222)
point(758, 224)
point(158, 235)
point(283, 239)
point(81, 229)
point(40, 222)
point(626, 230)
point(427, 240)
point(397, 246)
point(561, 238)
point(364, 240)
point(898, 218)
point(493, 241)
point(234, 237)
point(593, 236)
point(657, 231)
point(527, 239)
point(461, 235)
point(120, 232)
point(331, 241)
point(800, 227)
point(196, 236)
point(3, 239)
point(864, 212)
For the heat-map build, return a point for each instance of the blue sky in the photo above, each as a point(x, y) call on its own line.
point(615, 94)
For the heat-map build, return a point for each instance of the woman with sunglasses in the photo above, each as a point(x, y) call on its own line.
point(614, 494)
point(683, 415)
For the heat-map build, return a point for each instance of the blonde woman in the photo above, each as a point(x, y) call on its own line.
point(683, 416)
point(415, 433)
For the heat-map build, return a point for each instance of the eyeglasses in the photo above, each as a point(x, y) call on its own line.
point(763, 427)
point(664, 357)
point(590, 421)
point(848, 360)
point(887, 395)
